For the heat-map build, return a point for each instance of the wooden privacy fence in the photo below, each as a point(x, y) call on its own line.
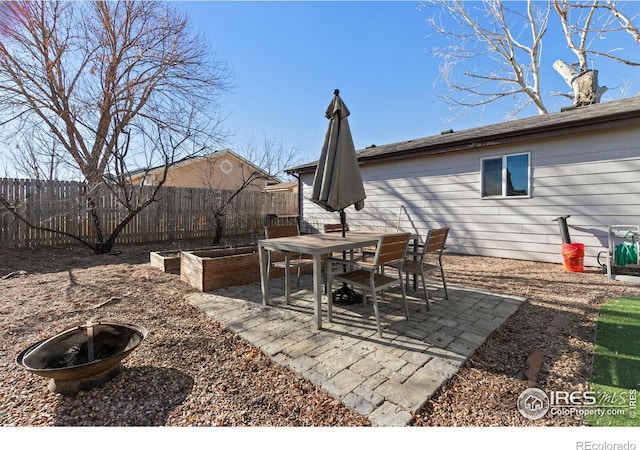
point(178, 213)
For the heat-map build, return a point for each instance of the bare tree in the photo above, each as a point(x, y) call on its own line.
point(585, 24)
point(39, 157)
point(495, 48)
point(268, 163)
point(118, 85)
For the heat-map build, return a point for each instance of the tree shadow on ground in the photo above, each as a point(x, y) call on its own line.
point(140, 396)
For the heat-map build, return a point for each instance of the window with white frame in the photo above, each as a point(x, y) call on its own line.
point(506, 176)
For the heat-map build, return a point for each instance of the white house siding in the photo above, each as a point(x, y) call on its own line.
point(593, 177)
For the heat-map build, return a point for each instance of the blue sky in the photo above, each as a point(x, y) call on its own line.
point(288, 57)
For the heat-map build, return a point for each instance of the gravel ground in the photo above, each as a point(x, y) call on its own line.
point(191, 371)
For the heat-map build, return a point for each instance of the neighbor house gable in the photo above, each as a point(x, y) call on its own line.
point(222, 169)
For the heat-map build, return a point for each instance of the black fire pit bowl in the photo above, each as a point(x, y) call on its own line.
point(83, 357)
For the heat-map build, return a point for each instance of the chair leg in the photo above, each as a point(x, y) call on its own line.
point(404, 298)
point(268, 266)
point(426, 293)
point(298, 277)
point(376, 312)
point(444, 283)
point(328, 282)
point(323, 275)
point(287, 276)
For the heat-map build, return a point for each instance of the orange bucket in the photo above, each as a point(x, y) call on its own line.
point(573, 257)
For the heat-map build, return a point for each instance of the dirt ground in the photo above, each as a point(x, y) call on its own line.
point(191, 371)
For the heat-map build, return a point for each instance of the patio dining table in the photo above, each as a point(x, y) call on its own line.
point(316, 245)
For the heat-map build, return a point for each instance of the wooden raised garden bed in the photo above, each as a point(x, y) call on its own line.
point(207, 270)
point(168, 261)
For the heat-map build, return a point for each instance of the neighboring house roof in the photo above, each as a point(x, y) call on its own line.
point(591, 117)
point(291, 186)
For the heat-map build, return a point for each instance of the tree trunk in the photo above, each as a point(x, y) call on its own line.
point(218, 229)
point(584, 85)
point(586, 90)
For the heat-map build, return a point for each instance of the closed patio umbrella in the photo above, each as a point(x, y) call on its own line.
point(337, 183)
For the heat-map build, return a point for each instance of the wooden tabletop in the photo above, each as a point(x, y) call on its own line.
point(323, 243)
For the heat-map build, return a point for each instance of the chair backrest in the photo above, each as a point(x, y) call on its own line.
point(278, 231)
point(392, 247)
point(335, 227)
point(435, 241)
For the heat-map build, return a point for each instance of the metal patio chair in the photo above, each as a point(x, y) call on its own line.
point(370, 276)
point(426, 260)
point(291, 260)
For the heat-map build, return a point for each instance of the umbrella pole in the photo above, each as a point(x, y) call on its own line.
point(345, 295)
point(343, 222)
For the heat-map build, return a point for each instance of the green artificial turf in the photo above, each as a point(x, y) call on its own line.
point(615, 378)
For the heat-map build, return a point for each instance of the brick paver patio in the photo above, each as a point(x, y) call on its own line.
point(385, 379)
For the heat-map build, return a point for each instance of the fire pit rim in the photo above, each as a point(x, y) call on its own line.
point(99, 365)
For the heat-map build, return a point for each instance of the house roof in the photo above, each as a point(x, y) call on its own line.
point(285, 186)
point(597, 116)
